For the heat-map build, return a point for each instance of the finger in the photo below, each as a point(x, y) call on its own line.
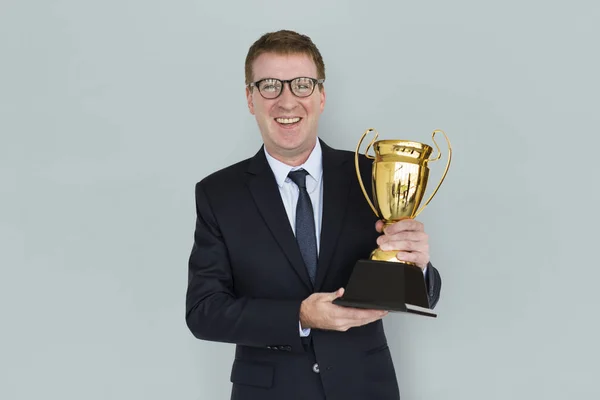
point(375, 318)
point(364, 321)
point(352, 315)
point(404, 245)
point(414, 236)
point(405, 225)
point(379, 226)
point(334, 295)
point(418, 258)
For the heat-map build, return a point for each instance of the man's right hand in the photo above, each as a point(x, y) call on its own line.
point(318, 311)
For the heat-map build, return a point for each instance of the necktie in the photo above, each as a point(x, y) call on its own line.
point(305, 224)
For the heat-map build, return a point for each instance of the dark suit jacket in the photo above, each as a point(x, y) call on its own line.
point(247, 280)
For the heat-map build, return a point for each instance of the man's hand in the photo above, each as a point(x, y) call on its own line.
point(317, 311)
point(408, 237)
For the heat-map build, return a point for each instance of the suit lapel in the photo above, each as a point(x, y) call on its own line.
point(263, 186)
point(336, 186)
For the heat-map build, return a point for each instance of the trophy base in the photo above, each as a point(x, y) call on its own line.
point(392, 286)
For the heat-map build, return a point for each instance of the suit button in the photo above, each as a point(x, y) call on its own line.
point(316, 368)
point(288, 348)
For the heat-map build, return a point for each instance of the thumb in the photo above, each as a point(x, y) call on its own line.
point(334, 295)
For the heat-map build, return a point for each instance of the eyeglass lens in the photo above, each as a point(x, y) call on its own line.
point(301, 87)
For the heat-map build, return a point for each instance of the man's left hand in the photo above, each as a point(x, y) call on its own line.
point(408, 237)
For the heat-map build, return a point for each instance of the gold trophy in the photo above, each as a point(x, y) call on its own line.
point(399, 178)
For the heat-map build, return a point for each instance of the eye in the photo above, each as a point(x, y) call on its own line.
point(303, 85)
point(270, 85)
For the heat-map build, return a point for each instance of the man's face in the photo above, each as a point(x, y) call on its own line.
point(288, 124)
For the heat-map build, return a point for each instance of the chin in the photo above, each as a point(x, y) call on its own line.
point(290, 141)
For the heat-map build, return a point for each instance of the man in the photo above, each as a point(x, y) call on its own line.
point(276, 238)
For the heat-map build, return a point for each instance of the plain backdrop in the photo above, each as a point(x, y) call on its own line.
point(111, 111)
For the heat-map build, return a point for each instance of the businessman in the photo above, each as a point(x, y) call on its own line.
point(276, 238)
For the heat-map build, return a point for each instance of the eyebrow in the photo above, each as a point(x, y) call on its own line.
point(281, 79)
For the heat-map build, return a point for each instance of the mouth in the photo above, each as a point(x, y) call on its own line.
point(288, 123)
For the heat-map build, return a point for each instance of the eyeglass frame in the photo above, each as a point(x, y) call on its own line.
point(315, 82)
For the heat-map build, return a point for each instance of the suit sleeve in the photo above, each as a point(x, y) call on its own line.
point(433, 281)
point(214, 312)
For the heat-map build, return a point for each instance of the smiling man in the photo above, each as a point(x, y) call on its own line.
point(276, 238)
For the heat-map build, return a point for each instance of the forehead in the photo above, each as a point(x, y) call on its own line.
point(272, 65)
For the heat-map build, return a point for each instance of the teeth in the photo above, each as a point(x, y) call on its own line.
point(287, 120)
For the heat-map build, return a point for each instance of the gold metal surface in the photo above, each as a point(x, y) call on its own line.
point(390, 256)
point(439, 155)
point(399, 178)
point(360, 181)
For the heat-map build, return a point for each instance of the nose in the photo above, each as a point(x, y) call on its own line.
point(287, 100)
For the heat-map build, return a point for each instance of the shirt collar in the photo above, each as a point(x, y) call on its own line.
point(313, 165)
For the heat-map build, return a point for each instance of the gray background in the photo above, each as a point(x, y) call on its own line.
point(112, 110)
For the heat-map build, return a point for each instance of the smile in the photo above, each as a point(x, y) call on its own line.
point(288, 121)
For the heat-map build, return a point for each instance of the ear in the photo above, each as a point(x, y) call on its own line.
point(323, 96)
point(249, 99)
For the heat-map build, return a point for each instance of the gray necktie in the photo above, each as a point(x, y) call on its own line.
point(305, 224)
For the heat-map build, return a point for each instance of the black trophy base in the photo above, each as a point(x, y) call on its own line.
point(383, 285)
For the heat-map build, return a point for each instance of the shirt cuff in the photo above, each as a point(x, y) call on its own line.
point(303, 332)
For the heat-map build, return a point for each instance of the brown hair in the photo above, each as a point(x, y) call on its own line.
point(284, 42)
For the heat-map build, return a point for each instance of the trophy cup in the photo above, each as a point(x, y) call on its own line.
point(399, 178)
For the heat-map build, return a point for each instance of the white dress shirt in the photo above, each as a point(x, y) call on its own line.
point(290, 192)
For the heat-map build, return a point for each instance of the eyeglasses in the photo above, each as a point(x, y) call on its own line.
point(271, 88)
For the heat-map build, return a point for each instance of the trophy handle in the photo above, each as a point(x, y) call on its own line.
point(362, 186)
point(439, 154)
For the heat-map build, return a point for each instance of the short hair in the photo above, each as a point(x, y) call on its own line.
point(284, 42)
